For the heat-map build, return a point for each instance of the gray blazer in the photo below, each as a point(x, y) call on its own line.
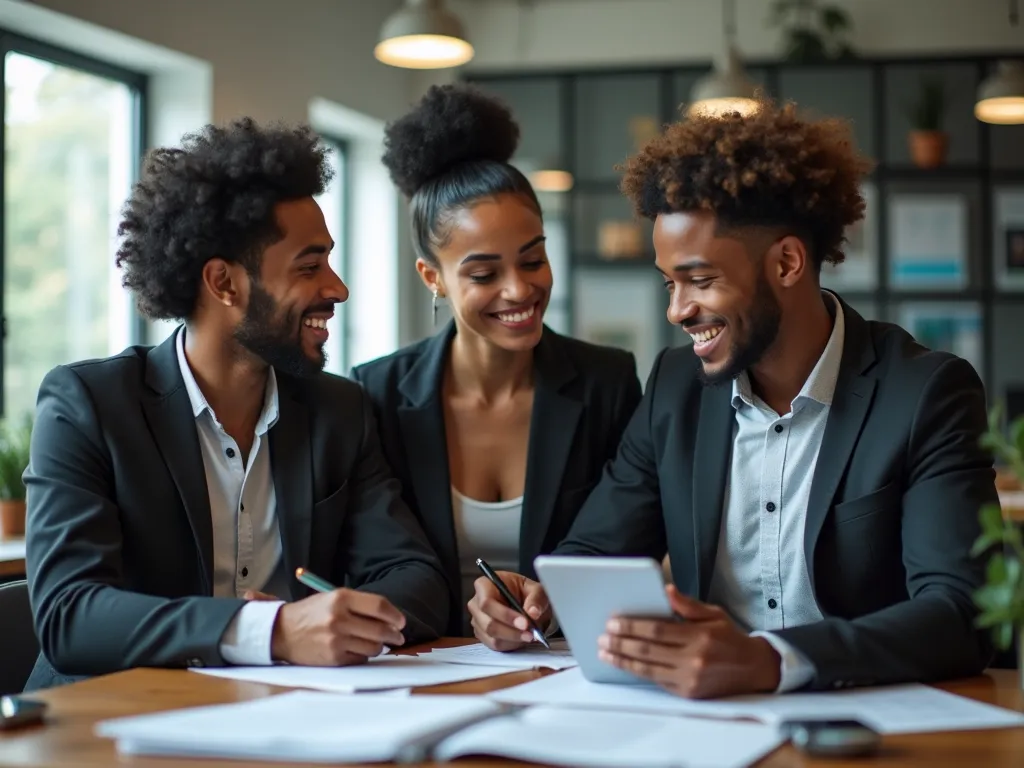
point(892, 515)
point(119, 536)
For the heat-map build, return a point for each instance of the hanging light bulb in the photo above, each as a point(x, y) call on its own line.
point(1001, 95)
point(727, 88)
point(423, 35)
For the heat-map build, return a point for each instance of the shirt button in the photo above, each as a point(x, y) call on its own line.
point(778, 427)
point(772, 604)
point(770, 506)
point(245, 572)
point(230, 452)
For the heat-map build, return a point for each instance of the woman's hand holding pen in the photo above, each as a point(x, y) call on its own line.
point(497, 625)
point(336, 628)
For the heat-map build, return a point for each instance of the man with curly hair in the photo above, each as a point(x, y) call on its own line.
point(815, 477)
point(173, 491)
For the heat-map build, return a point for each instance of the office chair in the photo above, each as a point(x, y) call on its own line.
point(18, 645)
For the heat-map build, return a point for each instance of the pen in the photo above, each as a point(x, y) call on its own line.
point(313, 581)
point(493, 577)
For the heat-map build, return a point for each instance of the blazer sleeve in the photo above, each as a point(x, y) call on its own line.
point(388, 551)
point(930, 636)
point(86, 621)
point(622, 515)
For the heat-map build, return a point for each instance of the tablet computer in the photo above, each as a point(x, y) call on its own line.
point(585, 592)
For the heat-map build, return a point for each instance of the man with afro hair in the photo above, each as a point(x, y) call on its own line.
point(816, 478)
point(174, 490)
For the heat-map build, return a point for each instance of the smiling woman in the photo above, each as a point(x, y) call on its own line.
point(498, 427)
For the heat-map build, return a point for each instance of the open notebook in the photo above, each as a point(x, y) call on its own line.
point(307, 726)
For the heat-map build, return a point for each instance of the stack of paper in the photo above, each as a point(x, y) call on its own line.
point(321, 727)
point(911, 708)
point(530, 657)
point(377, 674)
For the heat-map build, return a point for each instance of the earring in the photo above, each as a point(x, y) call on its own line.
point(433, 308)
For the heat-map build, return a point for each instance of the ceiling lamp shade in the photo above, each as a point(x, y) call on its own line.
point(1001, 95)
point(727, 89)
point(423, 35)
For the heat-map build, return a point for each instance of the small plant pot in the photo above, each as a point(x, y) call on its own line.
point(928, 148)
point(12, 518)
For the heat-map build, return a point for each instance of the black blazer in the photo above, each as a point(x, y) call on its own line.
point(584, 396)
point(119, 535)
point(892, 514)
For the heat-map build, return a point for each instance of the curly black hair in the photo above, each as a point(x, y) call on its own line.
point(214, 197)
point(771, 168)
point(451, 151)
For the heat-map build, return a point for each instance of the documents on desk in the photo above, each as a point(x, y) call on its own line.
point(377, 674)
point(529, 657)
point(321, 727)
point(894, 709)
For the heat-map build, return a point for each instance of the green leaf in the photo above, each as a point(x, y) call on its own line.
point(983, 544)
point(1017, 434)
point(1004, 635)
point(998, 570)
point(834, 19)
point(995, 598)
point(991, 519)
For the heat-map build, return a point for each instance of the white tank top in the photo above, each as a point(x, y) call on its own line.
point(489, 530)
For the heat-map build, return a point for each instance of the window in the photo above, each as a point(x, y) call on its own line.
point(72, 132)
point(334, 204)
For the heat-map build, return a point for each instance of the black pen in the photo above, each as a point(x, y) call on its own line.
point(510, 599)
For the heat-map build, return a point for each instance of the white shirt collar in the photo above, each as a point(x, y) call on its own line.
point(268, 417)
point(820, 386)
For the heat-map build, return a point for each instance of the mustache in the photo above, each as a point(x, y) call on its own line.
point(327, 306)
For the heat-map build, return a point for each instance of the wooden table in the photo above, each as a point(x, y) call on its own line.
point(12, 557)
point(67, 738)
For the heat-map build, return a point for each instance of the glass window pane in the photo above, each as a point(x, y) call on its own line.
point(69, 160)
point(332, 203)
point(615, 115)
point(953, 326)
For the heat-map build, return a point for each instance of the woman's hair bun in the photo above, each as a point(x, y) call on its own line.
point(452, 124)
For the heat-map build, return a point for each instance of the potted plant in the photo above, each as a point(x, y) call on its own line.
point(928, 142)
point(14, 452)
point(811, 30)
point(1001, 599)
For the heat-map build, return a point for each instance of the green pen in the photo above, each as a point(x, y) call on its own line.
point(313, 581)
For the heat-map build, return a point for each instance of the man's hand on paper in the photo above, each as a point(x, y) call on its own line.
point(500, 627)
point(335, 628)
point(703, 656)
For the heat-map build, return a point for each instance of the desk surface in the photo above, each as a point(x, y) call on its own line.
point(12, 557)
point(68, 737)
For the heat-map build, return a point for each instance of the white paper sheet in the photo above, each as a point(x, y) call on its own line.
point(379, 673)
point(301, 726)
point(531, 657)
point(890, 709)
point(575, 737)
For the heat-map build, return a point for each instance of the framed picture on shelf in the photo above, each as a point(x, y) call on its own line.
point(928, 241)
point(949, 327)
point(859, 269)
point(622, 308)
point(1008, 238)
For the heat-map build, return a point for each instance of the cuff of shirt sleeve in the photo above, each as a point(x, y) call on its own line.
point(246, 641)
point(796, 670)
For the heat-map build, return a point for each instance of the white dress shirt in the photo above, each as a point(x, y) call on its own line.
point(761, 575)
point(246, 539)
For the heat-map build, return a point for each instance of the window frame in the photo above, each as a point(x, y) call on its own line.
point(342, 245)
point(11, 42)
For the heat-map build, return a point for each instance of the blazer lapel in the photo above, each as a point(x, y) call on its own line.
point(850, 404)
point(710, 471)
point(552, 429)
point(292, 467)
point(173, 426)
point(422, 423)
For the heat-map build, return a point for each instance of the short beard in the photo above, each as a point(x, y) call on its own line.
point(762, 326)
point(277, 342)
